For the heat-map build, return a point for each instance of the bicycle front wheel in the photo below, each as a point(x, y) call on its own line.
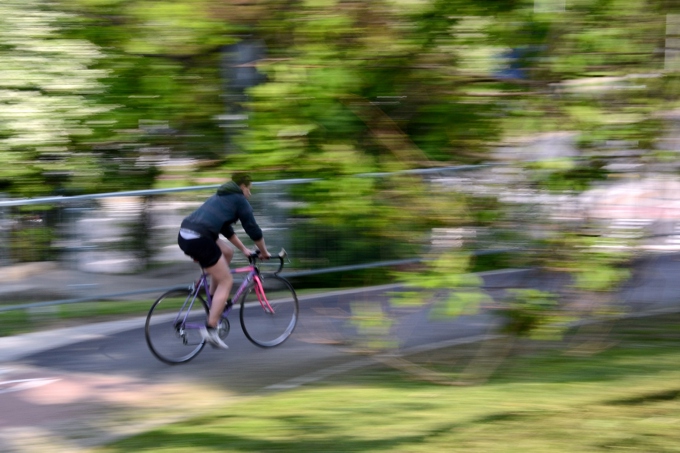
point(172, 326)
point(264, 327)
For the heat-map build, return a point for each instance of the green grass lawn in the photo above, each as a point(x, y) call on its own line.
point(544, 398)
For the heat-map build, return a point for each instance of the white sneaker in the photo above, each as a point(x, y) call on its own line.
point(212, 337)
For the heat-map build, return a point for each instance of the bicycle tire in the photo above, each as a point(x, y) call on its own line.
point(168, 341)
point(269, 329)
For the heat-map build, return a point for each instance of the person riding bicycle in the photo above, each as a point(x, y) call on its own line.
point(199, 239)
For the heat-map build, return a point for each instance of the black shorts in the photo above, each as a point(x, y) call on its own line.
point(202, 249)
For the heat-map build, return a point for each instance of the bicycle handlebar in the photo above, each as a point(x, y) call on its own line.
point(256, 256)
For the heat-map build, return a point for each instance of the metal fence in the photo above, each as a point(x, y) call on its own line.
point(108, 235)
point(106, 232)
point(124, 233)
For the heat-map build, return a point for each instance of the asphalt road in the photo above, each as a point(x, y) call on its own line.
point(68, 390)
point(75, 391)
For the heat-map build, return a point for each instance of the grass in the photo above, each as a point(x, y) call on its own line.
point(546, 398)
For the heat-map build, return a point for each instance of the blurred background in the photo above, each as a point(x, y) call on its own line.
point(410, 142)
point(497, 134)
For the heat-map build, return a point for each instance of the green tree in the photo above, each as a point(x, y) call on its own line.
point(380, 86)
point(360, 87)
point(164, 64)
point(48, 92)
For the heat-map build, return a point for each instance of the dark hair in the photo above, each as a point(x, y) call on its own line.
point(242, 178)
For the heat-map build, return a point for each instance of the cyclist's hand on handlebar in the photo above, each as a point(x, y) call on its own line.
point(257, 254)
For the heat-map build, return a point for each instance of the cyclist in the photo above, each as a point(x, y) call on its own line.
point(199, 239)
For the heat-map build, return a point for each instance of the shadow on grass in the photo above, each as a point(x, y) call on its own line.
point(173, 440)
point(314, 436)
point(650, 398)
point(625, 348)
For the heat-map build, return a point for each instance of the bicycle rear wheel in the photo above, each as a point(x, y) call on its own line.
point(171, 332)
point(268, 329)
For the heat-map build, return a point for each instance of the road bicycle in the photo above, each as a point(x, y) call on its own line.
point(267, 303)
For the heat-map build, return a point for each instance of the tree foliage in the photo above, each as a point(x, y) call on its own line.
point(106, 88)
point(48, 92)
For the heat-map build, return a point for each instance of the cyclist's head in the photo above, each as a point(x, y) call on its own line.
point(243, 180)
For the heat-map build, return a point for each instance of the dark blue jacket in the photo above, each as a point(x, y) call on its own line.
point(220, 211)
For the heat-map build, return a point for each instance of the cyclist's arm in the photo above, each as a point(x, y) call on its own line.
point(252, 229)
point(264, 253)
point(239, 245)
point(250, 226)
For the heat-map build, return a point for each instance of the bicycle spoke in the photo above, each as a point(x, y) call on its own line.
point(172, 332)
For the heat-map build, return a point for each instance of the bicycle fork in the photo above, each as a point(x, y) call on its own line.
point(259, 291)
point(262, 297)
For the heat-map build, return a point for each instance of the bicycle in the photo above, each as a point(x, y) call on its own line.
point(268, 313)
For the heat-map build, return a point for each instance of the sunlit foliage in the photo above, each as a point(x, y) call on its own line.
point(48, 91)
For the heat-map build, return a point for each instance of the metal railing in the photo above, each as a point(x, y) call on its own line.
point(269, 203)
point(80, 222)
point(151, 192)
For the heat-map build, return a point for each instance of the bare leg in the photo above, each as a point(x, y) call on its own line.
point(221, 279)
point(228, 253)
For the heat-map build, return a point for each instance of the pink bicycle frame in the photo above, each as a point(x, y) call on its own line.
point(259, 289)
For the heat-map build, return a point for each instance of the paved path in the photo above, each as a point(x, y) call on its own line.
point(69, 389)
point(75, 387)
